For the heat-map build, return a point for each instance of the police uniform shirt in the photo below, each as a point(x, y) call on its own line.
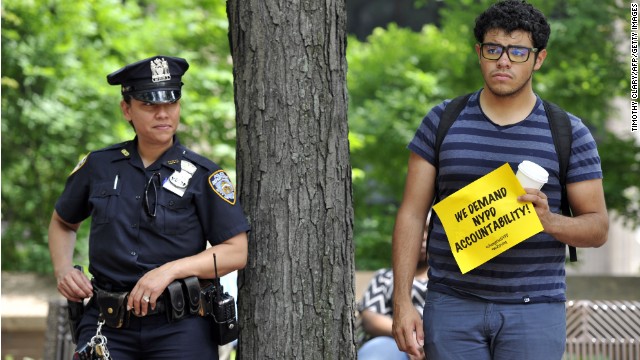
point(113, 187)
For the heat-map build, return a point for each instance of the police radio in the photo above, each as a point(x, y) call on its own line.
point(225, 307)
point(222, 308)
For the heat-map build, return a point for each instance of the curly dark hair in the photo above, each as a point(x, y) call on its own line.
point(513, 15)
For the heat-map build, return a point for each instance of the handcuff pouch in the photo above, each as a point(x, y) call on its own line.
point(191, 288)
point(176, 309)
point(112, 306)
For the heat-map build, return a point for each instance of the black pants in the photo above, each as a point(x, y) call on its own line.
point(153, 338)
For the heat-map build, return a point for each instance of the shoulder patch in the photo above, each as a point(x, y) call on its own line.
point(221, 185)
point(80, 164)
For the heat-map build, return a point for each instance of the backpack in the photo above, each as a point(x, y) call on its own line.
point(560, 132)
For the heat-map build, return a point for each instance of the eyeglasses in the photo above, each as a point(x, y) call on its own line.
point(516, 54)
point(151, 185)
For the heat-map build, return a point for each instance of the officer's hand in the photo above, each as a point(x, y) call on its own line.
point(149, 288)
point(407, 330)
point(540, 204)
point(74, 285)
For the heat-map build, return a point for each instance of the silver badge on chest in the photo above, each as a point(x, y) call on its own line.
point(179, 180)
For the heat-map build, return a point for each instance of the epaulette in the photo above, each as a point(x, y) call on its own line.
point(119, 146)
point(199, 159)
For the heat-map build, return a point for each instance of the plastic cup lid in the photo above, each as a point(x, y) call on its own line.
point(534, 171)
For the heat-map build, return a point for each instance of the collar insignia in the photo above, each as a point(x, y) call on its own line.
point(124, 152)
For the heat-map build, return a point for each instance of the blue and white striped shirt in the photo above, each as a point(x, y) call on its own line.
point(474, 146)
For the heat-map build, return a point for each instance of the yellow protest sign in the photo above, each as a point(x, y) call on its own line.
point(484, 219)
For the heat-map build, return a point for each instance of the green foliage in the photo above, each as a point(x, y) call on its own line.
point(397, 75)
point(57, 105)
point(621, 166)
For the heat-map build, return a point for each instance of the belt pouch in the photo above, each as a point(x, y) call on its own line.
point(191, 287)
point(112, 307)
point(176, 302)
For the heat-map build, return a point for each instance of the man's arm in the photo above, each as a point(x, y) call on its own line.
point(72, 284)
point(589, 225)
point(407, 239)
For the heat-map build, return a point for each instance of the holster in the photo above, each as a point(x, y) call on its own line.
point(175, 297)
point(112, 306)
point(75, 311)
point(191, 288)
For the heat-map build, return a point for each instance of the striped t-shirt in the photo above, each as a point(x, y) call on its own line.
point(533, 270)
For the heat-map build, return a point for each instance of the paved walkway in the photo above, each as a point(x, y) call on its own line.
point(25, 299)
point(24, 306)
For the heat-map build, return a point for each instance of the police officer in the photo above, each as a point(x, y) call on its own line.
point(154, 205)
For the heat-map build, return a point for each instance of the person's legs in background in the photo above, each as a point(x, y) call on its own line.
point(381, 348)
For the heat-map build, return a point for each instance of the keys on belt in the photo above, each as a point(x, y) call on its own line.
point(96, 348)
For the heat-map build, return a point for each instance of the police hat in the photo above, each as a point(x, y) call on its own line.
point(155, 80)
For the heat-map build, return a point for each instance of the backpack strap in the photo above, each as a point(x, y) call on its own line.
point(450, 113)
point(561, 133)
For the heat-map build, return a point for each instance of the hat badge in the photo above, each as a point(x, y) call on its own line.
point(160, 70)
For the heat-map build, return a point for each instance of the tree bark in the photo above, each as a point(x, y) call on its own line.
point(296, 295)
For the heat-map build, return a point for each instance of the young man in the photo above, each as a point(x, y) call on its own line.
point(511, 307)
point(154, 205)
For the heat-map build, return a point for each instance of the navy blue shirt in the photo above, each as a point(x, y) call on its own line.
point(126, 241)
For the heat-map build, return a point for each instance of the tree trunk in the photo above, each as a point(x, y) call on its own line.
point(296, 295)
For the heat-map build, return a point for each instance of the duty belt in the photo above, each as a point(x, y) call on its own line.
point(179, 300)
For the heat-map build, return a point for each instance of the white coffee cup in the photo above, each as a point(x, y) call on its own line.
point(532, 175)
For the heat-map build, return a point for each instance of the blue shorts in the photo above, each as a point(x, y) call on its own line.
point(462, 329)
point(153, 337)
